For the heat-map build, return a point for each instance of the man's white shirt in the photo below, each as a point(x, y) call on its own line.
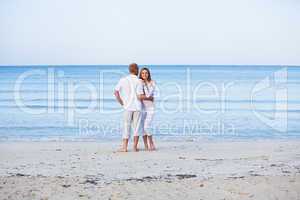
point(130, 87)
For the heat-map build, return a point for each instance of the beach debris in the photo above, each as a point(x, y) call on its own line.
point(136, 179)
point(201, 159)
point(277, 165)
point(149, 178)
point(205, 159)
point(58, 149)
point(286, 172)
point(91, 181)
point(256, 174)
point(235, 177)
point(298, 168)
point(167, 178)
point(66, 185)
point(20, 174)
point(185, 176)
point(100, 174)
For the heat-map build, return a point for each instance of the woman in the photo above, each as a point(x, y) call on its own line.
point(148, 108)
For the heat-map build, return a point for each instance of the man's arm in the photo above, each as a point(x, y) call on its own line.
point(118, 97)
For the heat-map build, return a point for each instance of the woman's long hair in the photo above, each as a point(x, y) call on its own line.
point(149, 75)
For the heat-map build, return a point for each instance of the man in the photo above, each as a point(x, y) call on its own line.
point(129, 93)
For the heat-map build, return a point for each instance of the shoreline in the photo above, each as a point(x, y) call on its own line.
point(163, 138)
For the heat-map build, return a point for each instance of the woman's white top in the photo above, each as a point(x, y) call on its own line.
point(149, 90)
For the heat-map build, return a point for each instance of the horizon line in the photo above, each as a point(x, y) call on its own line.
point(77, 65)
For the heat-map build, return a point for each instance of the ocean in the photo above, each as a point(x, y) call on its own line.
point(77, 102)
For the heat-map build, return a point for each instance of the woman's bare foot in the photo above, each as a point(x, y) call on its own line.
point(151, 143)
point(152, 148)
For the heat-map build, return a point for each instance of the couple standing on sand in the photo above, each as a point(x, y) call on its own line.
point(135, 94)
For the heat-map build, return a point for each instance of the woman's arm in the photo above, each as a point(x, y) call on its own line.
point(141, 93)
point(143, 97)
point(151, 89)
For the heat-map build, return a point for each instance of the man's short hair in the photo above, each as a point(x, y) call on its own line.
point(133, 68)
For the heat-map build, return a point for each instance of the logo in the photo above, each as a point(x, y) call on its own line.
point(273, 88)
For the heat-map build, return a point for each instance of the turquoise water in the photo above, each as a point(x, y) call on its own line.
point(77, 102)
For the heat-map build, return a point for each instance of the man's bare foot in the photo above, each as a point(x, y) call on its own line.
point(145, 139)
point(122, 150)
point(135, 149)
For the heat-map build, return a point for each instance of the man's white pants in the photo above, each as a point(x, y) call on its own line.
point(132, 119)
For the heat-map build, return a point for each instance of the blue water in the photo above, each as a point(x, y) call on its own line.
point(77, 102)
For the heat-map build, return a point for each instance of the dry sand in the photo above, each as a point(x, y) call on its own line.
point(252, 169)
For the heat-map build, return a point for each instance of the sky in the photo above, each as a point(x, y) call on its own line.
point(78, 32)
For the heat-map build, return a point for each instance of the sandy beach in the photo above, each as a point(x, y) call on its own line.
point(251, 169)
